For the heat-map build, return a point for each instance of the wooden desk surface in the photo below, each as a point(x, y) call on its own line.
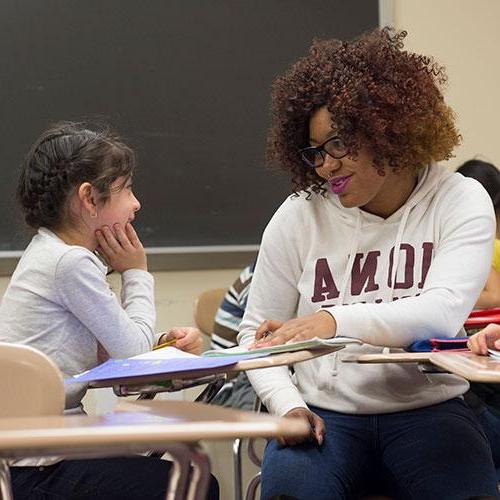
point(286, 358)
point(393, 357)
point(470, 366)
point(137, 426)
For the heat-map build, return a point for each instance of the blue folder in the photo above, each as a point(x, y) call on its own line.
point(127, 368)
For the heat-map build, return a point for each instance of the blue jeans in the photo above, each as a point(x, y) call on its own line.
point(122, 478)
point(437, 452)
point(491, 425)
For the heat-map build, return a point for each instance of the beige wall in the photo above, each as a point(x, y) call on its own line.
point(462, 35)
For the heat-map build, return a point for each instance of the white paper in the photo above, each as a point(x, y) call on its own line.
point(165, 353)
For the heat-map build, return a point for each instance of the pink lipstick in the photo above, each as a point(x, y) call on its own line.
point(339, 184)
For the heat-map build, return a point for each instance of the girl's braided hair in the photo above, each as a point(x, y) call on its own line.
point(60, 160)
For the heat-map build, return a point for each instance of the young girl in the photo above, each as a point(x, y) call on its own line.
point(381, 244)
point(76, 191)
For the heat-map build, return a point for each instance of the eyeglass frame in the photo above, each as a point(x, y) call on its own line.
point(322, 152)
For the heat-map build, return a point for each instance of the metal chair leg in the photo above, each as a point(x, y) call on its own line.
point(180, 471)
point(252, 487)
point(5, 485)
point(211, 389)
point(200, 475)
point(237, 469)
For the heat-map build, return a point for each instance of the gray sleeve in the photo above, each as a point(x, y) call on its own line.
point(124, 330)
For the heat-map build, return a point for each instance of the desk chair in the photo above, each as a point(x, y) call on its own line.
point(204, 311)
point(30, 385)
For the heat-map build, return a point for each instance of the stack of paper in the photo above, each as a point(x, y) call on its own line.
point(165, 353)
point(494, 353)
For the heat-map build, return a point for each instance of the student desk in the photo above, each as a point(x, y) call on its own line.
point(148, 386)
point(171, 426)
point(469, 366)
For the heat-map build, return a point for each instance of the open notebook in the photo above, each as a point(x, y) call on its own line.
point(315, 343)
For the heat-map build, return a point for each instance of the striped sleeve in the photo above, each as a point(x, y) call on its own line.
point(230, 313)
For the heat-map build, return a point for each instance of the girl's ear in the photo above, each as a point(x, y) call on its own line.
point(87, 195)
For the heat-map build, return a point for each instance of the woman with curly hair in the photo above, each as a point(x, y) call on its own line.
point(377, 243)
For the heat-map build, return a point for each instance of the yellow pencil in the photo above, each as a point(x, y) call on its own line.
point(165, 344)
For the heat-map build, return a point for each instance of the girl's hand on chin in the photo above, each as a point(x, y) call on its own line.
point(321, 324)
point(121, 247)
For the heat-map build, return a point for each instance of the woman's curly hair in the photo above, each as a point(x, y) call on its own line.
point(378, 94)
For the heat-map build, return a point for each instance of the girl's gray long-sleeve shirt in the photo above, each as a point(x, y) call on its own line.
point(59, 302)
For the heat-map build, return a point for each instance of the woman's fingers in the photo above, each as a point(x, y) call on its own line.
point(267, 327)
point(290, 331)
point(488, 338)
point(321, 324)
point(316, 423)
point(318, 427)
point(482, 344)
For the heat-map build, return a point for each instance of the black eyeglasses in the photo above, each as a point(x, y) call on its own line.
point(314, 156)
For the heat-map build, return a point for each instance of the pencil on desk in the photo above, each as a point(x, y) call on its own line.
point(168, 343)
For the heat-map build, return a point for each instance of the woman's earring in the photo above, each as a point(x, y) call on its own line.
point(93, 215)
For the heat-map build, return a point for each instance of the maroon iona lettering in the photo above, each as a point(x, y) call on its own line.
point(426, 261)
point(324, 284)
point(408, 267)
point(366, 275)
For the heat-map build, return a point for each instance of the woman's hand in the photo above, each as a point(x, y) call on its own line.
point(487, 338)
point(315, 422)
point(188, 339)
point(121, 249)
point(321, 324)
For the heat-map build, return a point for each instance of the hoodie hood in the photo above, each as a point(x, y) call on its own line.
point(429, 180)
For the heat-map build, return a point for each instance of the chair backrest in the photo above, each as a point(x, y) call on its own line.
point(30, 383)
point(205, 308)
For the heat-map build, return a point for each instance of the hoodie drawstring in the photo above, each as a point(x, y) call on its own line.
point(397, 245)
point(353, 248)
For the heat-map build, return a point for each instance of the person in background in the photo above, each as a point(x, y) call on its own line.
point(489, 176)
point(485, 398)
point(238, 392)
point(75, 189)
point(378, 243)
